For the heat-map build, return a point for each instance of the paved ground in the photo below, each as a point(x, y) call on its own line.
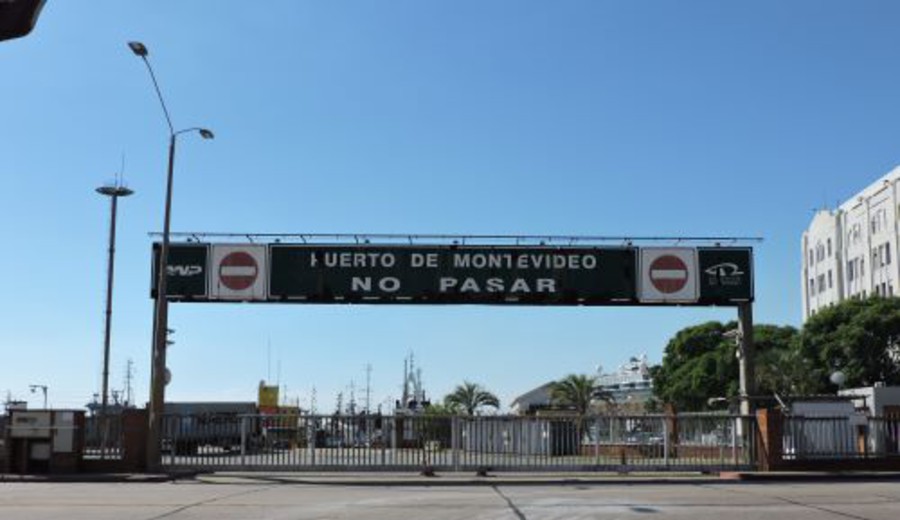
point(230, 498)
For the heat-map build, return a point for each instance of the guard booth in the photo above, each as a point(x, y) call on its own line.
point(44, 441)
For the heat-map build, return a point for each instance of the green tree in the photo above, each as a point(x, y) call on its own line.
point(699, 363)
point(779, 369)
point(469, 397)
point(861, 338)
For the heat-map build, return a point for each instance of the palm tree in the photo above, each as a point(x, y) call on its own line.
point(470, 397)
point(578, 391)
point(575, 391)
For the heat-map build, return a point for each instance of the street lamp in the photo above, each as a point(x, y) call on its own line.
point(113, 192)
point(161, 307)
point(838, 378)
point(42, 388)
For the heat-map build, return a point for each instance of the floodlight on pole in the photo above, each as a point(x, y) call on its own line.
point(161, 307)
point(113, 192)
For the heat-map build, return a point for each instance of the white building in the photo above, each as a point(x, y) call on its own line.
point(851, 251)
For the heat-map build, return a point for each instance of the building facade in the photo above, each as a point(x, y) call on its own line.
point(851, 251)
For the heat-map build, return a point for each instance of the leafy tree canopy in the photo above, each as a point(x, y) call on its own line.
point(699, 363)
point(861, 338)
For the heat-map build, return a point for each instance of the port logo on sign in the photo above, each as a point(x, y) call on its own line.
point(668, 274)
point(238, 271)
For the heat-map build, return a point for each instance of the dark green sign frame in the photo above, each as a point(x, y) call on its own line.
point(503, 275)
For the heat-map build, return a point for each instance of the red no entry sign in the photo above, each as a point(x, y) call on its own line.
point(238, 271)
point(668, 274)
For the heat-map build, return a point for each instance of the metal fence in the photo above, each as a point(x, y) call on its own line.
point(103, 437)
point(841, 437)
point(459, 443)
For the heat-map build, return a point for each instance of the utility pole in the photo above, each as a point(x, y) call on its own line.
point(746, 353)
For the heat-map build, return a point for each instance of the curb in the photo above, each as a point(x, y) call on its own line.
point(452, 479)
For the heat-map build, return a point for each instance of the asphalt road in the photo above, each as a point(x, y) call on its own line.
point(182, 500)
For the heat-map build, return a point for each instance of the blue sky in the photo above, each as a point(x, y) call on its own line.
point(632, 118)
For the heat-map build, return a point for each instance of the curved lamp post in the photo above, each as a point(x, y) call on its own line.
point(43, 389)
point(161, 307)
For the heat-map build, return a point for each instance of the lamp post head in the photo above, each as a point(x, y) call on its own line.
point(114, 191)
point(838, 378)
point(138, 49)
point(206, 133)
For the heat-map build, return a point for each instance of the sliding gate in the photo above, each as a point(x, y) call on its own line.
point(458, 443)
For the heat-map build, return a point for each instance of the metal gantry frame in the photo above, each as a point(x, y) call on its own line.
point(458, 239)
point(744, 335)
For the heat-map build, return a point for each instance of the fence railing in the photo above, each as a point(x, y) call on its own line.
point(459, 443)
point(103, 437)
point(841, 437)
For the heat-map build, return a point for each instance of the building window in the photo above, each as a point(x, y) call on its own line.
point(850, 270)
point(821, 287)
point(811, 261)
point(829, 248)
point(862, 266)
point(812, 287)
point(829, 278)
point(887, 254)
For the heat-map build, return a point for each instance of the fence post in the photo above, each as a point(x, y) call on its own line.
point(738, 422)
point(311, 427)
point(454, 441)
point(176, 430)
point(243, 439)
point(770, 437)
point(665, 425)
point(386, 433)
point(313, 450)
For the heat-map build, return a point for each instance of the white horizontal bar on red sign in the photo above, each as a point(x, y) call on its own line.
point(668, 274)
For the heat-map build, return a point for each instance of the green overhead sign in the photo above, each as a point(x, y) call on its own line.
point(530, 275)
